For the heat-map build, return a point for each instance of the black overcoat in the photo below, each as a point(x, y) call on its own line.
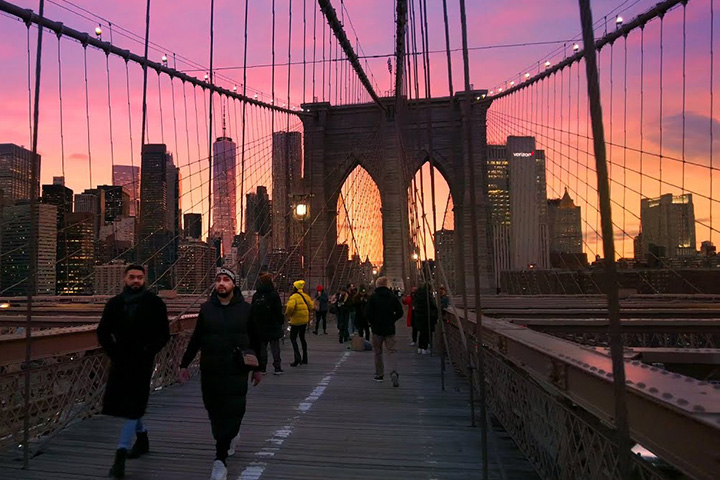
point(220, 331)
point(267, 313)
point(131, 342)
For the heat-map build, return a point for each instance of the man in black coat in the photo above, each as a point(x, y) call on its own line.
point(133, 329)
point(425, 314)
point(230, 347)
point(267, 316)
point(382, 311)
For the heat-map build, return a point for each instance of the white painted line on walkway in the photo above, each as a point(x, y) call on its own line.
point(255, 470)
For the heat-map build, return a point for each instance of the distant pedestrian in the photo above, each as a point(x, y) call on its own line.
point(343, 316)
point(407, 300)
point(321, 309)
point(425, 316)
point(444, 298)
point(382, 311)
point(133, 329)
point(229, 349)
point(298, 311)
point(266, 313)
point(361, 322)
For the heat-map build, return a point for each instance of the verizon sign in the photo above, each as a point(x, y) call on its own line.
point(523, 154)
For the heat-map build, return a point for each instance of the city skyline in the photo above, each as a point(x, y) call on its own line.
point(565, 24)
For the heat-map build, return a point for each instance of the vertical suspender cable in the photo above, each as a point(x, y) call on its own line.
point(62, 163)
point(244, 106)
point(712, 101)
point(304, 50)
point(447, 50)
point(210, 107)
point(314, 98)
point(32, 247)
point(87, 114)
point(474, 232)
point(144, 108)
point(616, 347)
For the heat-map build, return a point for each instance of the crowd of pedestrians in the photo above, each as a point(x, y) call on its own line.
point(233, 336)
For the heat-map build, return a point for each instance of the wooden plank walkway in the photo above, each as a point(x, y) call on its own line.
point(325, 420)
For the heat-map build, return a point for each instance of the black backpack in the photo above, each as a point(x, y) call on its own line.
point(262, 309)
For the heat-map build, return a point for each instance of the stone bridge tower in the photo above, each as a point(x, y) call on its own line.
point(392, 146)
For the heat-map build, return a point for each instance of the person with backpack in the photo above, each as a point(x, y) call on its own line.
point(321, 309)
point(298, 311)
point(425, 314)
point(266, 313)
point(361, 321)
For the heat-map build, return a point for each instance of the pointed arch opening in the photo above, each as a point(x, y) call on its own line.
point(429, 230)
point(358, 255)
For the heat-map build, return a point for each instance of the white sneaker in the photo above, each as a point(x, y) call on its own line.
point(412, 343)
point(233, 444)
point(426, 351)
point(420, 351)
point(219, 471)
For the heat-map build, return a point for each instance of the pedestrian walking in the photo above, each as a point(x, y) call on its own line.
point(407, 300)
point(382, 311)
point(266, 313)
point(298, 311)
point(361, 322)
point(425, 314)
point(321, 309)
point(343, 316)
point(229, 348)
point(133, 329)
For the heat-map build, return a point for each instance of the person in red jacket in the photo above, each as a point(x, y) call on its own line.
point(408, 301)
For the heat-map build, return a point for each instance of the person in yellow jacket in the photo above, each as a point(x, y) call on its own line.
point(298, 311)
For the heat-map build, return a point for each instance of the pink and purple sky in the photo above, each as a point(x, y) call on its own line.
point(180, 28)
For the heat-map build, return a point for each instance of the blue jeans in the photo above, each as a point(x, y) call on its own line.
point(129, 429)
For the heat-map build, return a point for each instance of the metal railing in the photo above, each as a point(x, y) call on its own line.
point(555, 400)
point(69, 387)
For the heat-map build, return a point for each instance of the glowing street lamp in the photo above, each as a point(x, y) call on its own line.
point(576, 47)
point(5, 305)
point(618, 22)
point(375, 272)
point(415, 256)
point(164, 60)
point(98, 31)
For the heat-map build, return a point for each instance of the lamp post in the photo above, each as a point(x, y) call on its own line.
point(301, 212)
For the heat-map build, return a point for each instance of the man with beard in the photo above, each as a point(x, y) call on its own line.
point(230, 348)
point(133, 329)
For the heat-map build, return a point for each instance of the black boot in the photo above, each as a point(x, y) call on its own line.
point(142, 446)
point(304, 360)
point(118, 468)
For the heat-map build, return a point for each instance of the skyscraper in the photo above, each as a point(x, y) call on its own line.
point(75, 270)
point(154, 250)
point(286, 176)
point(15, 267)
point(193, 225)
point(564, 223)
point(15, 171)
point(258, 208)
point(195, 266)
point(224, 222)
point(117, 202)
point(518, 203)
point(92, 200)
point(128, 177)
point(668, 225)
point(60, 196)
point(445, 242)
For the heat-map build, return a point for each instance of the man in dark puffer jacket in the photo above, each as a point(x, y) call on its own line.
point(230, 348)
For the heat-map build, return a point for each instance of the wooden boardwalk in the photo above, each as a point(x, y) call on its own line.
point(325, 420)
